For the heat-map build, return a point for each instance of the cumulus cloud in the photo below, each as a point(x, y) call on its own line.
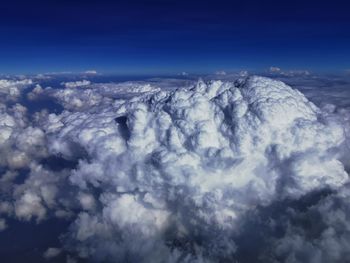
point(74, 84)
point(10, 90)
point(35, 93)
point(36, 194)
point(148, 174)
point(188, 164)
point(19, 141)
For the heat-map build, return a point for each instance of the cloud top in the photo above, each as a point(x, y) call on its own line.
point(188, 164)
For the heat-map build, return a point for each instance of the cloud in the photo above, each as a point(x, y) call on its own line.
point(91, 72)
point(91, 95)
point(275, 69)
point(10, 90)
point(51, 253)
point(19, 141)
point(42, 77)
point(35, 93)
point(146, 172)
point(184, 73)
point(220, 72)
point(312, 229)
point(75, 84)
point(289, 73)
point(188, 164)
point(3, 224)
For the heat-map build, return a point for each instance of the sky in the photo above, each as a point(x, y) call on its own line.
point(166, 36)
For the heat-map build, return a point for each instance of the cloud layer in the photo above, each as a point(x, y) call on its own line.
point(147, 174)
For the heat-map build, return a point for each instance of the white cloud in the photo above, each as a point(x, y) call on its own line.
point(75, 84)
point(189, 163)
point(10, 90)
point(42, 77)
point(275, 69)
point(92, 72)
point(168, 175)
point(18, 141)
point(35, 93)
point(51, 252)
point(93, 95)
point(43, 192)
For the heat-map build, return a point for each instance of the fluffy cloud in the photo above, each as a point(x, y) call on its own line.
point(90, 95)
point(19, 141)
point(153, 174)
point(11, 89)
point(44, 191)
point(35, 93)
point(177, 170)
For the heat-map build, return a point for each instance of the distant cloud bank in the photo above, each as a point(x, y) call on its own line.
point(291, 73)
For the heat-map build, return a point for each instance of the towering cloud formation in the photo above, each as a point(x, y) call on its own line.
point(185, 175)
point(176, 171)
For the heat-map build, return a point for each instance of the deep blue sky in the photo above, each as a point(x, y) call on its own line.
point(166, 36)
